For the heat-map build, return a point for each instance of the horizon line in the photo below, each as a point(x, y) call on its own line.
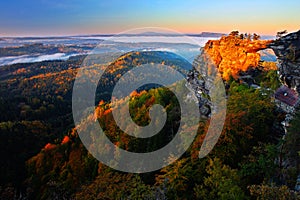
point(121, 34)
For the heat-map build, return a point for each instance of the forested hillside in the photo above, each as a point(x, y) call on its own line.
point(44, 158)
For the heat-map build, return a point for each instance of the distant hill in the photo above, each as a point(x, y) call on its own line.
point(207, 34)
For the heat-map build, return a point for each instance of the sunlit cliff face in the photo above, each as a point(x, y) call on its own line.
point(235, 53)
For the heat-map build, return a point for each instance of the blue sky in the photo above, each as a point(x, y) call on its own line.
point(71, 17)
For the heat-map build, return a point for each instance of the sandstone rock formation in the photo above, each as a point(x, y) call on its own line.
point(227, 57)
point(235, 53)
point(287, 50)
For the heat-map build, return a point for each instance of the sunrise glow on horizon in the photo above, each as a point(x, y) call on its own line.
point(45, 18)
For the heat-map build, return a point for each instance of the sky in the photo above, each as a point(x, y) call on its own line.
point(74, 17)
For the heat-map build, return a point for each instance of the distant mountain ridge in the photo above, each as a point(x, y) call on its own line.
point(154, 34)
point(143, 34)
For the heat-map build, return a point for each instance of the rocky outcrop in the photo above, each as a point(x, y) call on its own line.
point(203, 80)
point(197, 86)
point(287, 50)
point(230, 56)
point(235, 53)
point(200, 80)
